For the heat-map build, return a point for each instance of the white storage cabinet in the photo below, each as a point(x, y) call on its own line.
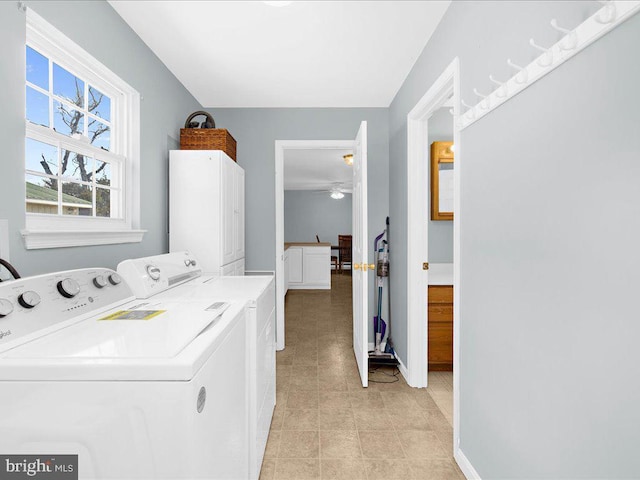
point(206, 209)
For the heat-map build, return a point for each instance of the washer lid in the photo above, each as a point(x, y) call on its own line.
point(127, 350)
point(159, 329)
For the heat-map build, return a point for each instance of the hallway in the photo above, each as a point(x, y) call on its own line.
point(327, 426)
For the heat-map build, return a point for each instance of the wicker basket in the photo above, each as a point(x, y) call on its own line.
point(208, 139)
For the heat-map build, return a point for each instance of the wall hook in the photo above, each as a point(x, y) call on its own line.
point(547, 58)
point(470, 113)
point(570, 40)
point(522, 76)
point(608, 13)
point(484, 104)
point(502, 91)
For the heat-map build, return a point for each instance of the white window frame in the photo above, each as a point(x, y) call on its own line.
point(51, 231)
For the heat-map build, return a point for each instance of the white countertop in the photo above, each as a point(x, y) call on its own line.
point(441, 274)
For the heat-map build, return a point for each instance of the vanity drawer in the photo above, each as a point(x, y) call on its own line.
point(440, 294)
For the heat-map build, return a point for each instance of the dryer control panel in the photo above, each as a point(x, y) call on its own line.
point(33, 306)
point(148, 276)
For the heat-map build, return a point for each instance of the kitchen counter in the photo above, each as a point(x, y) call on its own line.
point(441, 274)
point(306, 244)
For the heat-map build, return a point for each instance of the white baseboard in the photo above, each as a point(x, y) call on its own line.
point(465, 465)
point(403, 369)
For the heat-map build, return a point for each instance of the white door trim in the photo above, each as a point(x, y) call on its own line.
point(281, 146)
point(417, 232)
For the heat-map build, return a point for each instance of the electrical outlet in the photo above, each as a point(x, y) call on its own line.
point(4, 239)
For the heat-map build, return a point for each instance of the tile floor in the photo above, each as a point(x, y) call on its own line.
point(326, 425)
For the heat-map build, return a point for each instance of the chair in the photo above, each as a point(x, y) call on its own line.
point(344, 246)
point(334, 258)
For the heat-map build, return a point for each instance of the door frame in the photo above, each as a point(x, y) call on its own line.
point(417, 232)
point(280, 147)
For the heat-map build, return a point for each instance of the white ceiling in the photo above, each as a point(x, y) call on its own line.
point(306, 54)
point(317, 170)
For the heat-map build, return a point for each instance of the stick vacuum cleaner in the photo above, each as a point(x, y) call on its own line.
point(383, 352)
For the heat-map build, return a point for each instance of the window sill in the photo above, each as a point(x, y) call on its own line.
point(36, 239)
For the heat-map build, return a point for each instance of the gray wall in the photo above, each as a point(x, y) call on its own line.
point(308, 213)
point(502, 33)
point(164, 107)
point(440, 231)
point(549, 261)
point(257, 129)
point(550, 279)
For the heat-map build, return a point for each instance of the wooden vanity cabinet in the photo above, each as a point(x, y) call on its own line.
point(440, 328)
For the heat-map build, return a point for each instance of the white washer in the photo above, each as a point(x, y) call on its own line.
point(151, 392)
point(178, 276)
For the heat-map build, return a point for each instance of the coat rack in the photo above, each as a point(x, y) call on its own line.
point(612, 14)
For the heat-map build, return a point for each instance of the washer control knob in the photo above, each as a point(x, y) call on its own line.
point(153, 272)
point(187, 262)
point(29, 299)
point(193, 262)
point(100, 281)
point(68, 288)
point(6, 307)
point(115, 279)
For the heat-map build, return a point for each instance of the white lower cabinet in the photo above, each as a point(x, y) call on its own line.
point(308, 267)
point(295, 266)
point(233, 269)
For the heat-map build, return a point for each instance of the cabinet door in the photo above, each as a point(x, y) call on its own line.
point(316, 268)
point(228, 270)
point(228, 192)
point(239, 212)
point(239, 270)
point(295, 265)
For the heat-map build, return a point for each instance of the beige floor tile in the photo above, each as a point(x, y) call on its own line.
point(302, 399)
point(268, 471)
point(304, 383)
point(331, 399)
point(337, 419)
point(342, 469)
point(437, 420)
point(434, 469)
point(278, 416)
point(364, 398)
point(273, 444)
point(300, 419)
point(317, 373)
point(297, 469)
point(388, 468)
point(333, 384)
point(298, 444)
point(304, 371)
point(339, 444)
point(409, 419)
point(375, 442)
point(398, 401)
point(420, 444)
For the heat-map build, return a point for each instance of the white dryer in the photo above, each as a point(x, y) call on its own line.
point(178, 276)
point(137, 389)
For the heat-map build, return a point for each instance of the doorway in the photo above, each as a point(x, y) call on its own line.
point(310, 149)
point(445, 90)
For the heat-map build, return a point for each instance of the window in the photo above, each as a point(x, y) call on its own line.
point(81, 146)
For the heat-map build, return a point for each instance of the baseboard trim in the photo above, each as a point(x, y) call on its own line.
point(403, 369)
point(465, 465)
